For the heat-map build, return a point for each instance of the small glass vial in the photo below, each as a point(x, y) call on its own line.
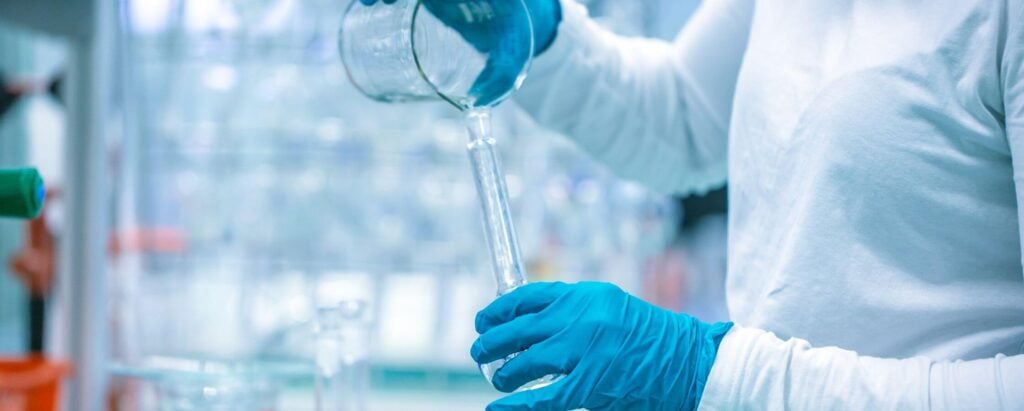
point(342, 356)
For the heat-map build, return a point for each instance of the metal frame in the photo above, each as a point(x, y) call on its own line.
point(78, 311)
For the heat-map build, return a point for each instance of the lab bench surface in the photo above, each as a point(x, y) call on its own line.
point(302, 400)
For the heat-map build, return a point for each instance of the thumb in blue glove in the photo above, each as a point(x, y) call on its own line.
point(616, 351)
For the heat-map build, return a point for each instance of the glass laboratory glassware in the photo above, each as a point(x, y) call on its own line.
point(402, 52)
point(342, 355)
point(509, 272)
point(181, 393)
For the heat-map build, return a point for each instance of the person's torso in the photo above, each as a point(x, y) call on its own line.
point(872, 203)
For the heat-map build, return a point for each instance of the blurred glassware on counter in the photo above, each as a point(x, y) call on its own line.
point(342, 357)
point(216, 395)
point(180, 384)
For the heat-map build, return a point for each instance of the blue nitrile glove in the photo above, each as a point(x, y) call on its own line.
point(616, 351)
point(468, 17)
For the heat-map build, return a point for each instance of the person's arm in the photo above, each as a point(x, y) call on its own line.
point(653, 111)
point(756, 370)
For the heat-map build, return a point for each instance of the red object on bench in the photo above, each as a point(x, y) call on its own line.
point(31, 383)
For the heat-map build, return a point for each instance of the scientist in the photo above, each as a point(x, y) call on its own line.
point(875, 158)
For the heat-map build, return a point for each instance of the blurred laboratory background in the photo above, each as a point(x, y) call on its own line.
point(245, 203)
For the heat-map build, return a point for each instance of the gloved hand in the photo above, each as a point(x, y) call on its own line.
point(502, 69)
point(616, 351)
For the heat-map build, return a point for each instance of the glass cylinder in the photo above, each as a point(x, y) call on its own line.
point(506, 261)
point(342, 357)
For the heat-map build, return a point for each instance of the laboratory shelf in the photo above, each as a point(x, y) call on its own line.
point(399, 400)
point(298, 373)
point(168, 383)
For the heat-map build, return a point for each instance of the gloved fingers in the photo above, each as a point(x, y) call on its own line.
point(528, 299)
point(512, 337)
point(497, 79)
point(541, 360)
point(555, 397)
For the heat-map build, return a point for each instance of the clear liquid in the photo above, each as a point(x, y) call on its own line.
point(490, 368)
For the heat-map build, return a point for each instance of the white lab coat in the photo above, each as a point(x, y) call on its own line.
point(875, 155)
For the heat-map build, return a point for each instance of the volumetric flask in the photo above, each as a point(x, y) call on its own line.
point(408, 50)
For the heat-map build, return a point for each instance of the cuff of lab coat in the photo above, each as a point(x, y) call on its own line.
point(756, 369)
point(723, 384)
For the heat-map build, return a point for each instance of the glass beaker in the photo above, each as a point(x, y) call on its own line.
point(404, 52)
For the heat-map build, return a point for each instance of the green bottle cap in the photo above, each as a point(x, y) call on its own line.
point(21, 193)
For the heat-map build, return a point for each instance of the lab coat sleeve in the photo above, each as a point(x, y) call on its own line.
point(757, 370)
point(1013, 102)
point(653, 111)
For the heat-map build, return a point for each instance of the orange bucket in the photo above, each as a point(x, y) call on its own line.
point(30, 384)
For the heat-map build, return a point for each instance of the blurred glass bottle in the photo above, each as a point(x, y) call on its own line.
point(342, 353)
